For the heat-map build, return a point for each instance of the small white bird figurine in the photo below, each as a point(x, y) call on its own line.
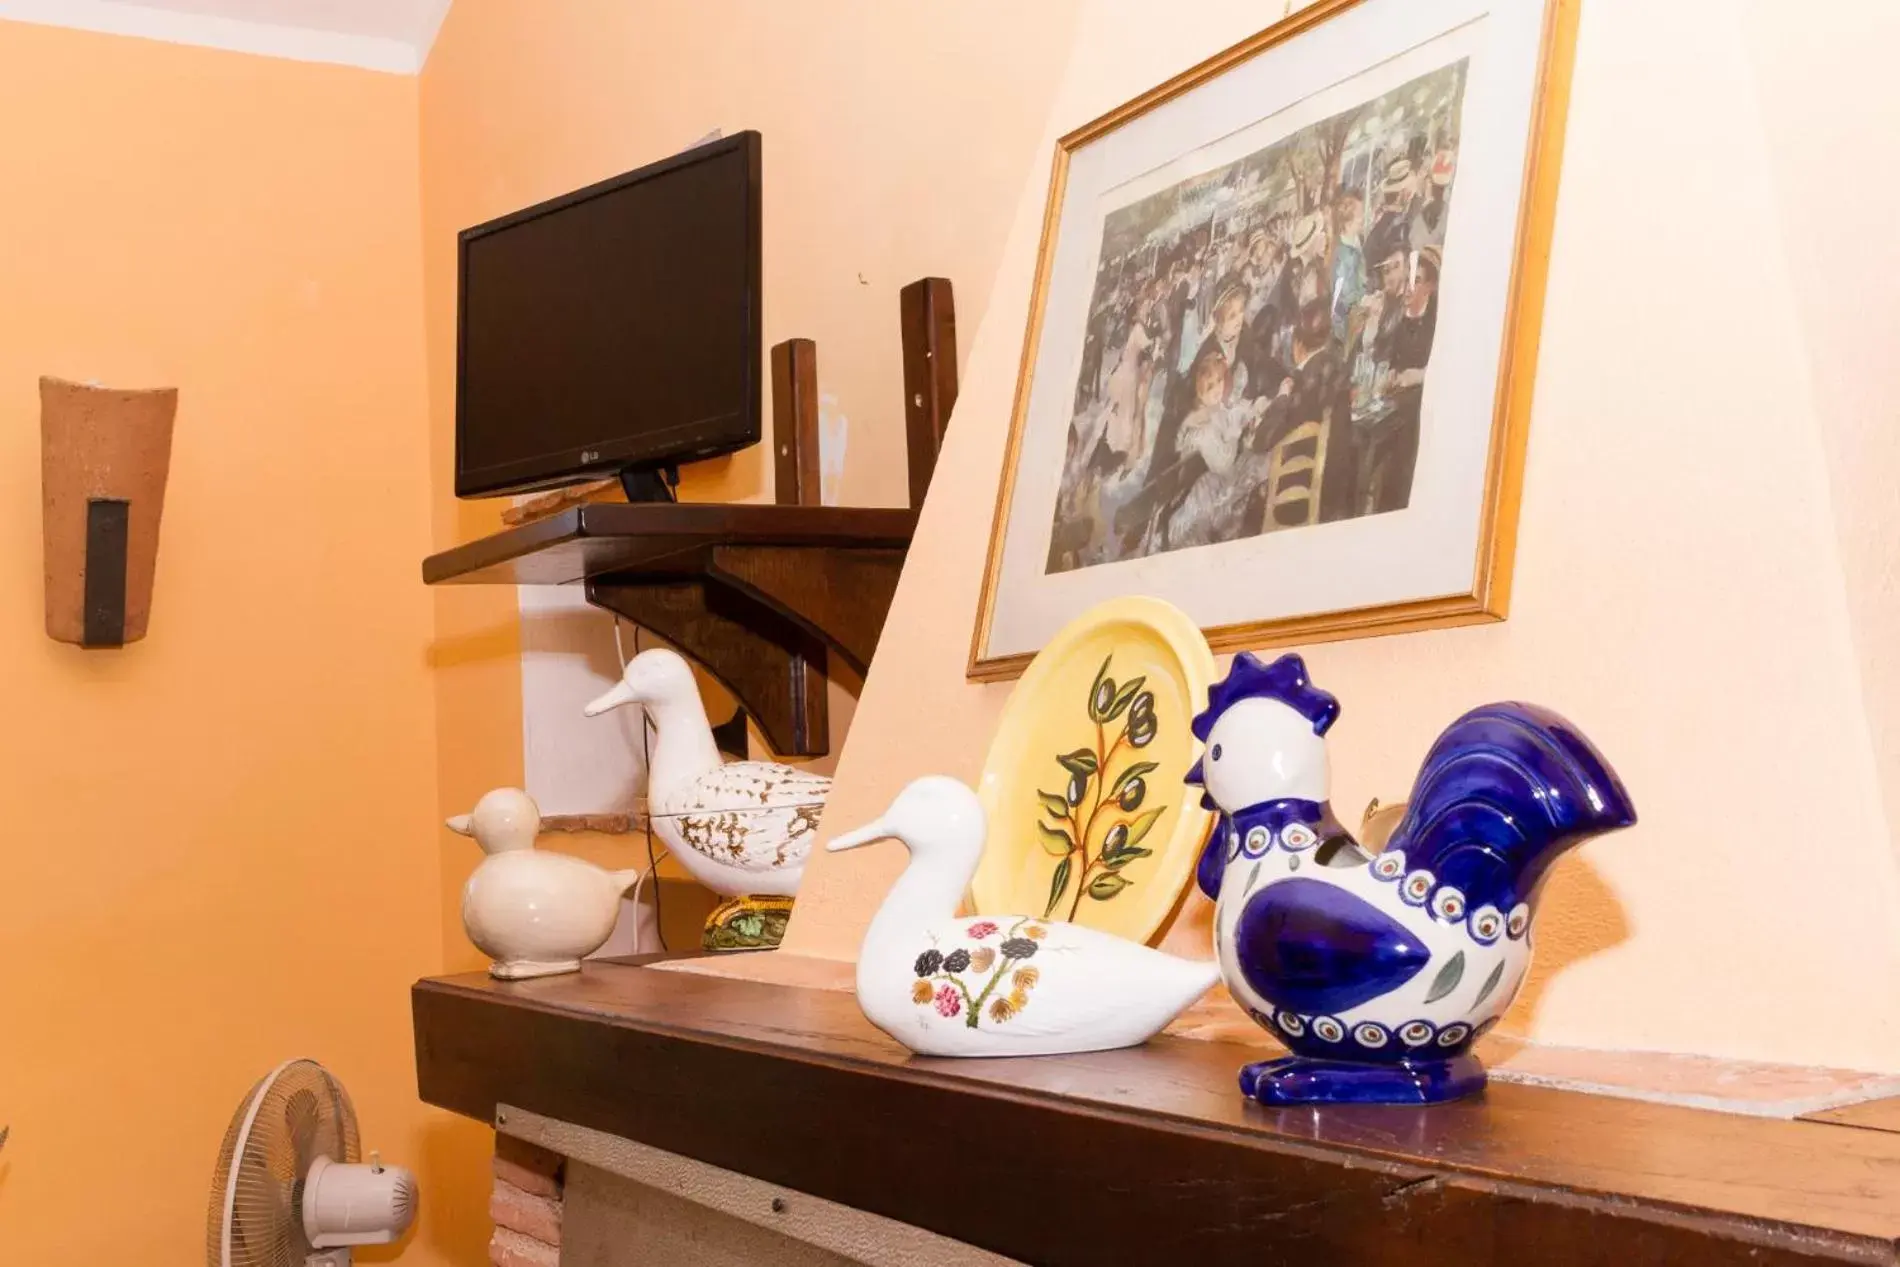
point(998, 985)
point(740, 828)
point(535, 914)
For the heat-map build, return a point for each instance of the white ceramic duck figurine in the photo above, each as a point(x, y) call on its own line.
point(998, 985)
point(740, 828)
point(535, 914)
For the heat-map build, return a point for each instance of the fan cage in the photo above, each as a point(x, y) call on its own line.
point(292, 1116)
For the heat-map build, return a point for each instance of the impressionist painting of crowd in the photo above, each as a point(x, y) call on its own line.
point(1259, 336)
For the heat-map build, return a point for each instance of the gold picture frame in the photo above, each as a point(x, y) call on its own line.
point(1488, 597)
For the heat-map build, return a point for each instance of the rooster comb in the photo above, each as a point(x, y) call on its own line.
point(1284, 680)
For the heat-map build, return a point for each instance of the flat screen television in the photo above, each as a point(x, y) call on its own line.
point(614, 329)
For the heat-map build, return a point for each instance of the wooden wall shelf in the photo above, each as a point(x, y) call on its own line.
point(588, 542)
point(758, 594)
point(1147, 1155)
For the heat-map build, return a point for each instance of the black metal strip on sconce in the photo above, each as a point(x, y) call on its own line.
point(108, 523)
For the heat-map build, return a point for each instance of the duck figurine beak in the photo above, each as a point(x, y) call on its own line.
point(462, 825)
point(621, 693)
point(867, 834)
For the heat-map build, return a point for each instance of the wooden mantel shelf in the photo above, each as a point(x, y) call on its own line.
point(756, 593)
point(1147, 1155)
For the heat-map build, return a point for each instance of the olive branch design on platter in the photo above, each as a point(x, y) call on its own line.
point(1096, 824)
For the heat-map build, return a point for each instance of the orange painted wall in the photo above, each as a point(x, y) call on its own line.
point(224, 843)
point(896, 137)
point(220, 853)
point(217, 848)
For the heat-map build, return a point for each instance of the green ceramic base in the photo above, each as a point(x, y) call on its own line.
point(747, 923)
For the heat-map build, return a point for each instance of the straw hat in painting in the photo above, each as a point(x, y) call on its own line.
point(1308, 235)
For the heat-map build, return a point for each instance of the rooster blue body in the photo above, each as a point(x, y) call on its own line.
point(1379, 972)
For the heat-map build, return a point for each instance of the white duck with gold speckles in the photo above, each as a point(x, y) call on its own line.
point(741, 828)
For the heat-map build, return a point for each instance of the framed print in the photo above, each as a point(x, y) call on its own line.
point(1279, 355)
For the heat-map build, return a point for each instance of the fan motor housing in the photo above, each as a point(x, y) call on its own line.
point(356, 1205)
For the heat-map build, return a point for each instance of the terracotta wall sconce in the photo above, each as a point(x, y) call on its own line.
point(104, 457)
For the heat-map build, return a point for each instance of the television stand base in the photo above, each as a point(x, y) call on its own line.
point(650, 484)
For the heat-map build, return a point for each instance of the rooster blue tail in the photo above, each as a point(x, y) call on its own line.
point(1505, 790)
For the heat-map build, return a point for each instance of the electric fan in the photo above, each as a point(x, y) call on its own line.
point(288, 1190)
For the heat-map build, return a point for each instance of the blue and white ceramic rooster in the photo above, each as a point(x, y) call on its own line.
point(1379, 972)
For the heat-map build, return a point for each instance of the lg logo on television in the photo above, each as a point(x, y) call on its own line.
point(590, 455)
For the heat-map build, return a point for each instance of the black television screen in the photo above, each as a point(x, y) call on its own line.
point(616, 327)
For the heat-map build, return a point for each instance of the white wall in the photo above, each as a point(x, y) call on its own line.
point(575, 764)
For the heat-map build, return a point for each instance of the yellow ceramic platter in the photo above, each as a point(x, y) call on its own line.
point(1088, 818)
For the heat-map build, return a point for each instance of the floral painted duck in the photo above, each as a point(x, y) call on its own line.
point(1379, 972)
point(997, 985)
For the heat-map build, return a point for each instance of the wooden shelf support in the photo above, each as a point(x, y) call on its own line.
point(774, 667)
point(841, 596)
point(796, 477)
point(927, 313)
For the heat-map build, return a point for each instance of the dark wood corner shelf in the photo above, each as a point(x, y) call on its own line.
point(1147, 1155)
point(756, 593)
point(759, 594)
point(599, 539)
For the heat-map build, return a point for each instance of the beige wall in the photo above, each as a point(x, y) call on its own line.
point(217, 849)
point(1826, 103)
point(1706, 538)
